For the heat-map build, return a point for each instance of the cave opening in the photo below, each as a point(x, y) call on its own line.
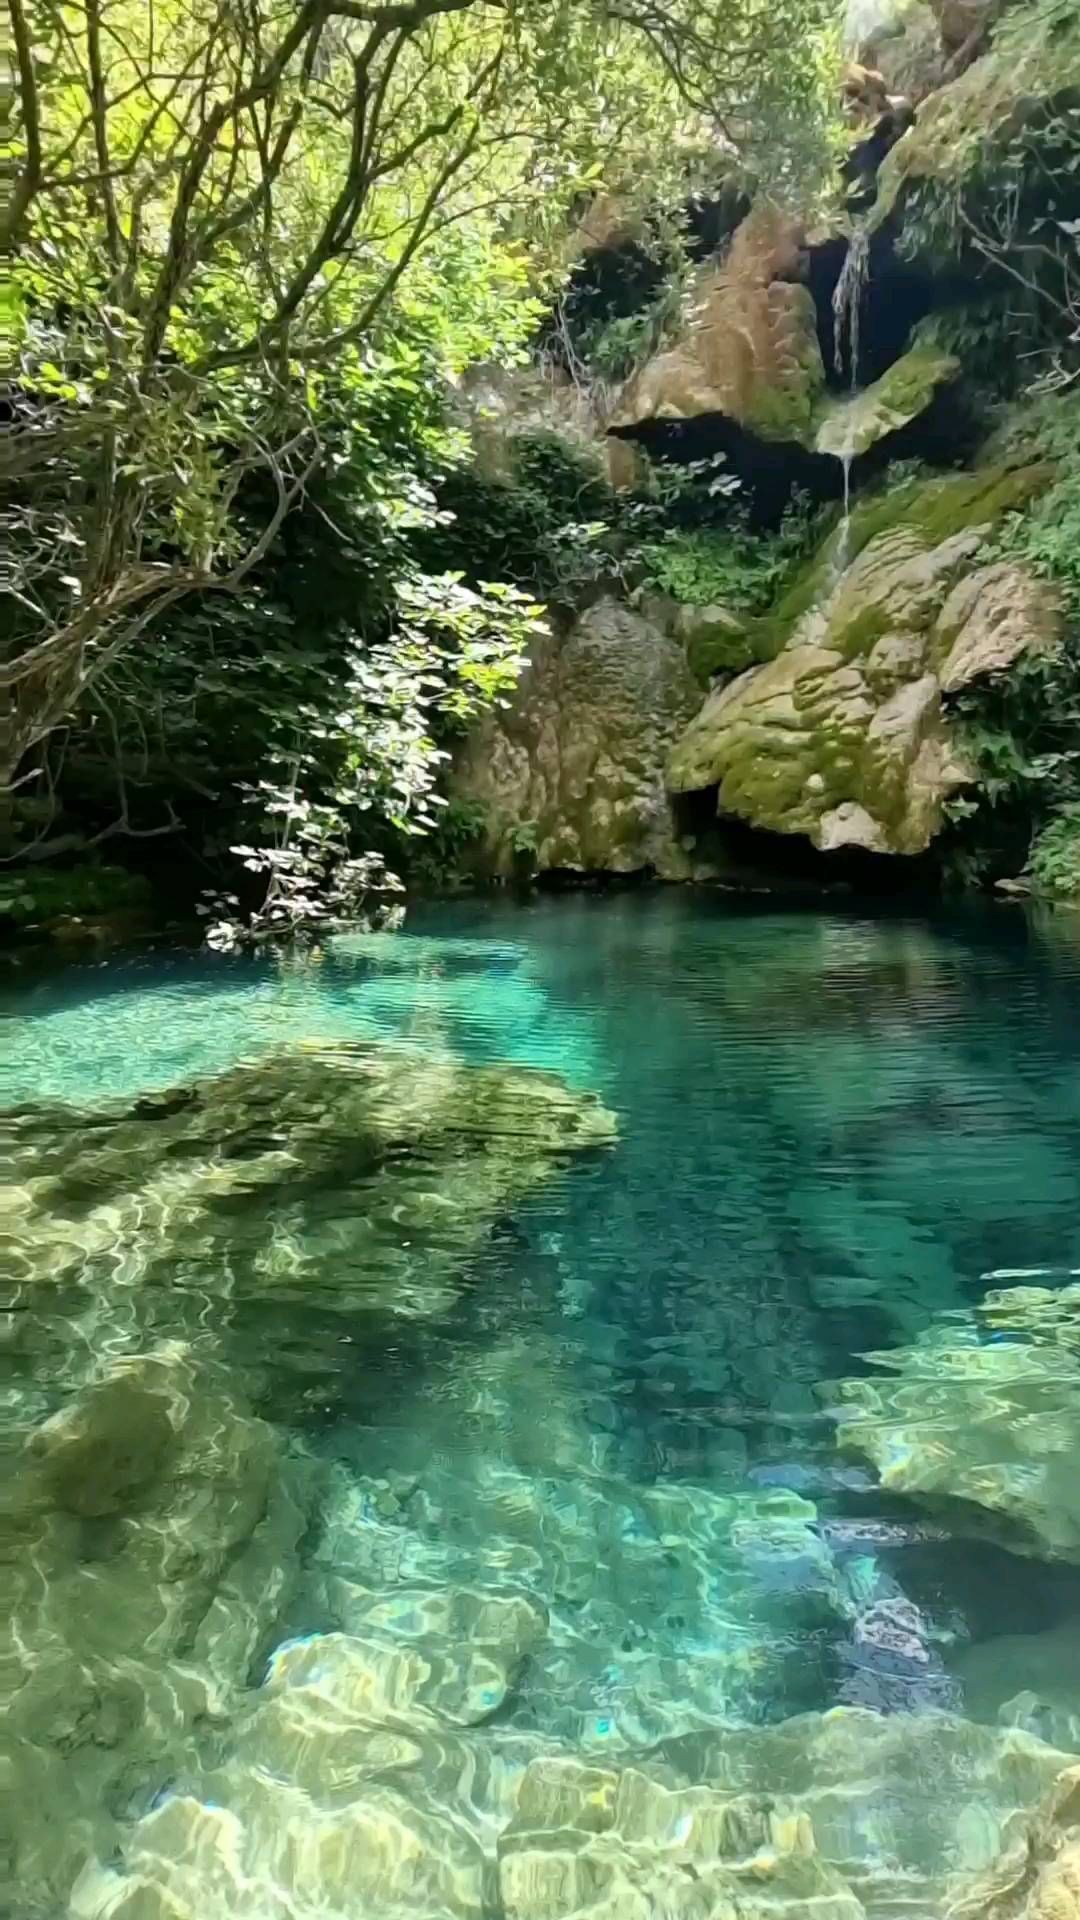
point(755, 860)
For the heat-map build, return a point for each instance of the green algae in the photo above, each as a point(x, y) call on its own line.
point(851, 427)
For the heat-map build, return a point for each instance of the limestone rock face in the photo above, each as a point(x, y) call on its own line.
point(500, 404)
point(576, 764)
point(958, 20)
point(852, 427)
point(990, 1426)
point(749, 348)
point(843, 736)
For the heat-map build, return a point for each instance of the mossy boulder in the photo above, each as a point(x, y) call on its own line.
point(851, 427)
point(843, 735)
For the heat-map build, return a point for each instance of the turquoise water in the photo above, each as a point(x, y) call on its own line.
point(614, 1407)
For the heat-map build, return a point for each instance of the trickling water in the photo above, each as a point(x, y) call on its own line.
point(847, 303)
point(548, 1471)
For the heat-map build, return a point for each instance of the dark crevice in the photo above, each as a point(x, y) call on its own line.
point(753, 858)
point(898, 295)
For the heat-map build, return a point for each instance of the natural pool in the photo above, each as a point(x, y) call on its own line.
point(448, 1476)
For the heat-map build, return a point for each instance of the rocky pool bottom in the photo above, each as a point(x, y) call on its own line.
point(561, 1412)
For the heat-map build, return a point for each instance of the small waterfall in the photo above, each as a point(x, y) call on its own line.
point(842, 544)
point(847, 302)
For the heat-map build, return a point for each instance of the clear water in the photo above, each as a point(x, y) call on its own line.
point(833, 1129)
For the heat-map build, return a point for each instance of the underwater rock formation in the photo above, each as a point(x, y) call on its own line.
point(843, 735)
point(571, 773)
point(152, 1525)
point(151, 1534)
point(1037, 1875)
point(981, 1416)
point(397, 1160)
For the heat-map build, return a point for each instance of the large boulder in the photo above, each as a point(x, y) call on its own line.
point(844, 735)
point(749, 346)
point(571, 773)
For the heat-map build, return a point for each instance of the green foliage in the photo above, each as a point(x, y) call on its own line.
point(249, 248)
point(612, 346)
point(989, 335)
point(1021, 729)
point(729, 565)
point(441, 857)
point(550, 529)
point(1054, 861)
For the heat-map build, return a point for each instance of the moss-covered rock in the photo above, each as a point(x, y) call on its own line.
point(851, 427)
point(843, 734)
point(964, 129)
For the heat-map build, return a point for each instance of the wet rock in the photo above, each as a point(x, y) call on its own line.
point(851, 427)
point(98, 1454)
point(572, 772)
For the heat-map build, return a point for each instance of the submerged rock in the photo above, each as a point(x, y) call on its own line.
point(139, 1588)
point(354, 1176)
point(152, 1525)
point(571, 774)
point(1037, 1875)
point(983, 1413)
point(848, 1814)
point(843, 736)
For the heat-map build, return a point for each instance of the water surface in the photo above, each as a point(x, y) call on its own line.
point(612, 1410)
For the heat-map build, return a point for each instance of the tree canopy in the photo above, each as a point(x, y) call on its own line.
point(243, 236)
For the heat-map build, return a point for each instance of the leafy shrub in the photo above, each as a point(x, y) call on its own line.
point(548, 529)
point(1054, 862)
point(729, 565)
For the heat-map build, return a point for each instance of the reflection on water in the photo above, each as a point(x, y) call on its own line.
point(427, 1502)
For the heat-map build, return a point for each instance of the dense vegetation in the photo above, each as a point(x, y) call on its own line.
point(257, 580)
point(253, 245)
